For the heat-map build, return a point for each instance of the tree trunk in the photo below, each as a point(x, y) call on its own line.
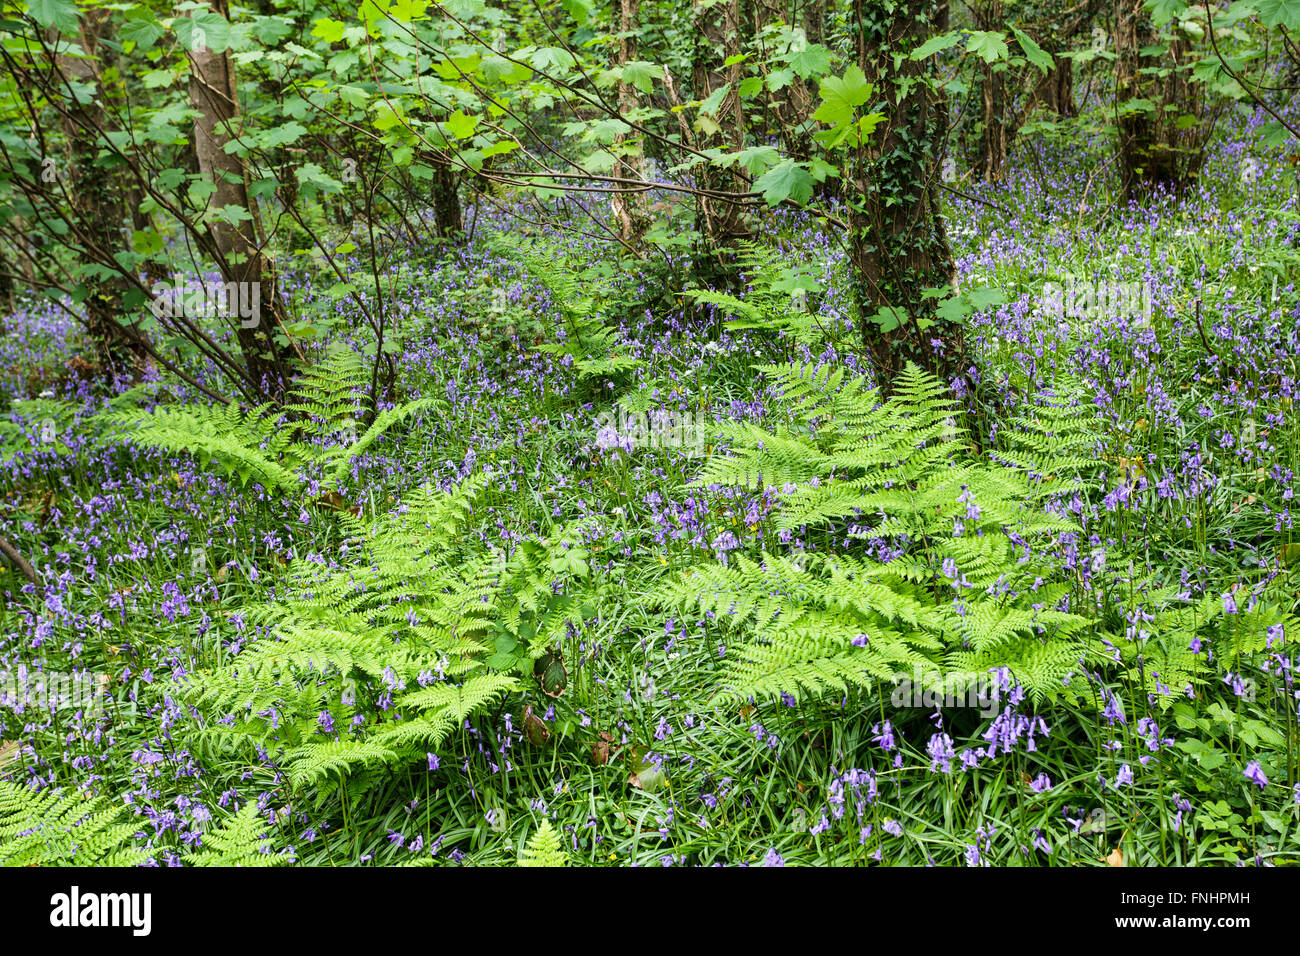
point(631, 212)
point(1154, 98)
point(1059, 92)
point(213, 94)
point(991, 160)
point(448, 218)
point(6, 287)
point(898, 246)
point(719, 222)
point(95, 198)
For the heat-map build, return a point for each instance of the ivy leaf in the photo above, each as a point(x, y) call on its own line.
point(786, 180)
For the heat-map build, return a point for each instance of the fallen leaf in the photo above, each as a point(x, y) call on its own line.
point(601, 749)
point(535, 728)
point(646, 776)
point(333, 501)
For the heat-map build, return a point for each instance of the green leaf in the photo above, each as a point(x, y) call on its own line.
point(812, 60)
point(755, 159)
point(56, 13)
point(786, 180)
point(144, 32)
point(841, 97)
point(1280, 13)
point(1033, 52)
point(461, 126)
point(331, 31)
point(936, 44)
point(641, 75)
point(990, 46)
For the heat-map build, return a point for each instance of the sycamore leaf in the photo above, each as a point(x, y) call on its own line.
point(756, 159)
point(935, 45)
point(56, 13)
point(811, 60)
point(141, 31)
point(989, 45)
point(840, 97)
point(786, 180)
point(1280, 13)
point(461, 126)
point(331, 31)
point(641, 75)
point(1033, 52)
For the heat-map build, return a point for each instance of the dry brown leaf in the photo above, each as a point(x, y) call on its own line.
point(600, 750)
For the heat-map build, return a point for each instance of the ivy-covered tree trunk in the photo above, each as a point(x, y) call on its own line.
point(629, 205)
point(898, 246)
point(214, 94)
point(1163, 127)
point(718, 38)
point(96, 197)
point(448, 218)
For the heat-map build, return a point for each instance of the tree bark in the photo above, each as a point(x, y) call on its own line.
point(719, 222)
point(213, 93)
point(631, 212)
point(1059, 88)
point(95, 195)
point(991, 159)
point(448, 218)
point(1154, 96)
point(898, 245)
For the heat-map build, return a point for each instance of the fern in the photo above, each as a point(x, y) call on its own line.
point(240, 841)
point(544, 848)
point(964, 584)
point(256, 444)
point(52, 828)
point(593, 349)
point(376, 664)
point(771, 302)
